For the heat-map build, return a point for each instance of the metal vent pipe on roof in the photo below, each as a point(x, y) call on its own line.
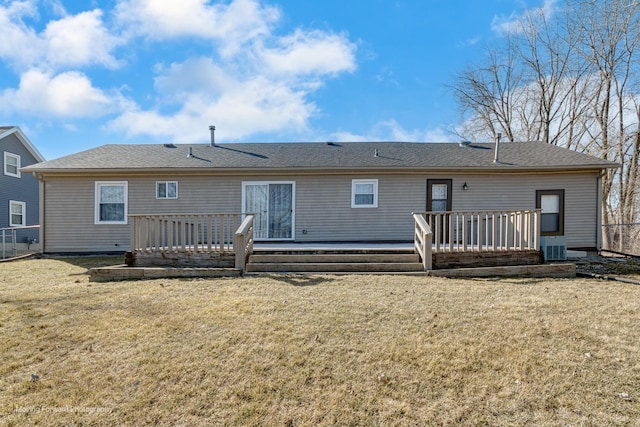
point(497, 146)
point(212, 129)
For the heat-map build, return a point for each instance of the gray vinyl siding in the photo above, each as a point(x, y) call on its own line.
point(70, 208)
point(23, 189)
point(324, 209)
point(322, 205)
point(519, 192)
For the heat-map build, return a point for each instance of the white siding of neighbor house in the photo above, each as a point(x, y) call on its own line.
point(323, 204)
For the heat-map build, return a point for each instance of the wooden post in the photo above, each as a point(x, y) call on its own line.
point(423, 237)
point(243, 242)
point(132, 235)
point(239, 246)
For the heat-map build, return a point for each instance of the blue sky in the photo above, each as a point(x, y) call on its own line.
point(78, 74)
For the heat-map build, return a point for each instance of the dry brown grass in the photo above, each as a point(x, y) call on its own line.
point(314, 350)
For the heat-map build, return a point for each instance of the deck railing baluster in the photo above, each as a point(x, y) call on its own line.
point(472, 231)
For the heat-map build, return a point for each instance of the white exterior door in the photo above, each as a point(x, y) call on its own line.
point(272, 203)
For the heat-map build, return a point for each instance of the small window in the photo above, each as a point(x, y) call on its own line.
point(364, 193)
point(552, 219)
point(11, 164)
point(17, 214)
point(167, 190)
point(439, 195)
point(111, 203)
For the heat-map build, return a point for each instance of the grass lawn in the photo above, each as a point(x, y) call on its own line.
point(314, 350)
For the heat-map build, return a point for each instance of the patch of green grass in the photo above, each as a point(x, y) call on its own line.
point(314, 350)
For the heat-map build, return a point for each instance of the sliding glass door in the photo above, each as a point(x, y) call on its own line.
point(272, 203)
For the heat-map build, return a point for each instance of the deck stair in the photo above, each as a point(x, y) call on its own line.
point(334, 261)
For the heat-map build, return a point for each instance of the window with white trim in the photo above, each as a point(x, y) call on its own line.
point(11, 164)
point(364, 193)
point(111, 202)
point(166, 190)
point(17, 214)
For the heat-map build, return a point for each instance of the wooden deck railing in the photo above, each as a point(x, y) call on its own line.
point(243, 243)
point(484, 231)
point(194, 233)
point(422, 241)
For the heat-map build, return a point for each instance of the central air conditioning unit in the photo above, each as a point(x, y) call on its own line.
point(554, 248)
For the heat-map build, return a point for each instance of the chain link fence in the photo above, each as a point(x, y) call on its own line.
point(16, 241)
point(623, 238)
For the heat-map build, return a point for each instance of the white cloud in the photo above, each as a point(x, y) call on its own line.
point(69, 94)
point(19, 43)
point(346, 136)
point(75, 40)
point(260, 81)
point(311, 52)
point(391, 130)
point(258, 89)
point(512, 24)
point(56, 7)
point(195, 75)
point(205, 94)
point(230, 24)
point(79, 40)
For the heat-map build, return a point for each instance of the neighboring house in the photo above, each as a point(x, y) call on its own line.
point(19, 200)
point(314, 192)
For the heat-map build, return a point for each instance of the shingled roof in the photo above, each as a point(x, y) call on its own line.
point(321, 156)
point(15, 130)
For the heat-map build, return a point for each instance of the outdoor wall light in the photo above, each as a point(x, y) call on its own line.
point(465, 187)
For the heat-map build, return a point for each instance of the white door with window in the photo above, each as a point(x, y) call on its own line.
point(272, 203)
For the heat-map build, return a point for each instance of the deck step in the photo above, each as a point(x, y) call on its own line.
point(334, 258)
point(325, 267)
point(334, 262)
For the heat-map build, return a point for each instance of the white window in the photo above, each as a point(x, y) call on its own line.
point(11, 164)
point(111, 202)
point(364, 193)
point(17, 213)
point(167, 190)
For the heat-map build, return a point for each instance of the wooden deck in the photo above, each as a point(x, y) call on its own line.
point(441, 240)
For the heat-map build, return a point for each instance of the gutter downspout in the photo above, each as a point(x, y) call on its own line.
point(41, 200)
point(599, 210)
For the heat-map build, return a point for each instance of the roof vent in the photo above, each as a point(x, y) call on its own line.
point(212, 129)
point(190, 152)
point(375, 153)
point(497, 147)
point(331, 143)
point(169, 145)
point(464, 143)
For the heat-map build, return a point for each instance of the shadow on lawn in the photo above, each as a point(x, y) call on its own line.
point(518, 280)
point(91, 261)
point(302, 279)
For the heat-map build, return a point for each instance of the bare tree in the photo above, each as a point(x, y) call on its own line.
point(571, 79)
point(488, 95)
point(609, 34)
